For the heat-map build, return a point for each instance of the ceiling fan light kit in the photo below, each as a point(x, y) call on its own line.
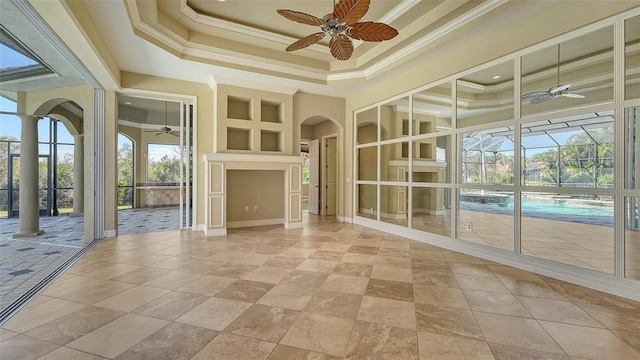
point(342, 25)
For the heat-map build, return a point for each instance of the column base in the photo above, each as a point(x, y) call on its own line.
point(76, 214)
point(28, 234)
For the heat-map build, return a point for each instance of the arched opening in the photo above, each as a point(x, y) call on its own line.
point(319, 145)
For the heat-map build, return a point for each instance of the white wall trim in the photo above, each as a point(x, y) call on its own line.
point(344, 219)
point(249, 223)
point(215, 232)
point(293, 225)
point(110, 233)
point(257, 158)
point(200, 227)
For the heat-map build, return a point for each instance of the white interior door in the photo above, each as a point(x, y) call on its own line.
point(331, 176)
point(314, 176)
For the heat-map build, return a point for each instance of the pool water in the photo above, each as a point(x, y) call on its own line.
point(564, 209)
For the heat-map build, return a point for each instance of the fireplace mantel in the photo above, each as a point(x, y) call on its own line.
point(216, 167)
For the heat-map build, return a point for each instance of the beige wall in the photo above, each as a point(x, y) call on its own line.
point(247, 188)
point(203, 103)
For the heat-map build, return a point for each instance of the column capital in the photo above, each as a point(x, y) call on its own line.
point(25, 117)
point(78, 136)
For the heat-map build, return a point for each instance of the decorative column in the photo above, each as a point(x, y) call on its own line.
point(29, 216)
point(78, 176)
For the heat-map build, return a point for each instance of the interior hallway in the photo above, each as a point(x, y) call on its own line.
point(331, 290)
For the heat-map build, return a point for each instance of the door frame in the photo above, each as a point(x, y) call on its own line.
point(323, 172)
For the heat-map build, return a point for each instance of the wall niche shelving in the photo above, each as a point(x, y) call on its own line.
point(271, 111)
point(238, 139)
point(238, 108)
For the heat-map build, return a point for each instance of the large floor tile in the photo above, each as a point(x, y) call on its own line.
point(131, 299)
point(558, 311)
point(322, 333)
point(172, 342)
point(41, 314)
point(346, 284)
point(515, 331)
point(375, 341)
point(438, 295)
point(65, 353)
point(334, 304)
point(289, 297)
point(245, 290)
point(214, 313)
point(233, 347)
point(119, 335)
point(394, 313)
point(24, 347)
point(447, 321)
point(74, 325)
point(495, 303)
point(443, 347)
point(171, 306)
point(284, 352)
point(588, 342)
point(263, 323)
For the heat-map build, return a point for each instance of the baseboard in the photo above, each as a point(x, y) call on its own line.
point(216, 232)
point(250, 223)
point(293, 225)
point(344, 219)
point(110, 233)
point(200, 227)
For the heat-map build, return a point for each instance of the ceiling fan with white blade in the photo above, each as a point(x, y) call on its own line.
point(342, 25)
point(541, 97)
point(165, 129)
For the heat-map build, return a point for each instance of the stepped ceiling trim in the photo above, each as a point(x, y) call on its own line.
point(240, 45)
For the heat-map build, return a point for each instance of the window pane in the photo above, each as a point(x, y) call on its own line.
point(392, 166)
point(576, 151)
point(367, 129)
point(367, 201)
point(431, 210)
point(632, 57)
point(486, 217)
point(163, 164)
point(632, 238)
point(575, 229)
point(486, 96)
point(432, 160)
point(393, 118)
point(393, 204)
point(632, 153)
point(368, 163)
point(576, 72)
point(487, 157)
point(432, 109)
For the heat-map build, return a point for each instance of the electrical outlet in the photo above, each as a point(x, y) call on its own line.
point(255, 208)
point(469, 226)
point(246, 208)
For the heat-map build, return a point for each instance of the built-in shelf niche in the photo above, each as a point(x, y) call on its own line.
point(238, 139)
point(271, 111)
point(238, 108)
point(270, 140)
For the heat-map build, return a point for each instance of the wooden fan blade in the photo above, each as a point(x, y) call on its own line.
point(371, 31)
point(306, 41)
point(341, 47)
point(350, 11)
point(175, 133)
point(301, 17)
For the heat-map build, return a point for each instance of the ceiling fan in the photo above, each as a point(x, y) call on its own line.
point(541, 97)
point(341, 25)
point(165, 129)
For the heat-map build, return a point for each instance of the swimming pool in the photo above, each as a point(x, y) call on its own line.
point(561, 210)
point(565, 209)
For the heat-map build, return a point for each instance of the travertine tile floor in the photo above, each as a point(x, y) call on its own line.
point(329, 291)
